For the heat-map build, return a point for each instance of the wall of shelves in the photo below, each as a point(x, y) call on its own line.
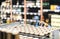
point(32, 10)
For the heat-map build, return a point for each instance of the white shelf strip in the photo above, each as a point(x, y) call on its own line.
point(26, 13)
point(44, 10)
point(31, 20)
point(27, 6)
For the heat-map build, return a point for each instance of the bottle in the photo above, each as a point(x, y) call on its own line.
point(8, 20)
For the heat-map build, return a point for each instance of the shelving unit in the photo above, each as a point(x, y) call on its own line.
point(15, 30)
point(16, 9)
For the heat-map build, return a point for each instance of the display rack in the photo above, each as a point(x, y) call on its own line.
point(10, 10)
point(25, 10)
point(14, 11)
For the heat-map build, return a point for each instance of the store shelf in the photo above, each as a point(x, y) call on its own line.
point(30, 20)
point(16, 9)
point(26, 6)
point(44, 10)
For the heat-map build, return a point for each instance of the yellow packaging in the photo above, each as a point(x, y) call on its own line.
point(8, 21)
point(53, 7)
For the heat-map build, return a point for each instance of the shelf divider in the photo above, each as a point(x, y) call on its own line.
point(25, 12)
point(11, 10)
point(41, 9)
